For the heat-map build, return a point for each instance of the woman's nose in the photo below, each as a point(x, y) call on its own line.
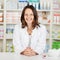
point(28, 16)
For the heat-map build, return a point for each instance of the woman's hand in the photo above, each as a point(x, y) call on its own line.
point(29, 52)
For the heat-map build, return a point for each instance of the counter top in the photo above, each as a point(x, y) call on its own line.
point(13, 56)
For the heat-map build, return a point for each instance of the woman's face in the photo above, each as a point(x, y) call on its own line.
point(28, 16)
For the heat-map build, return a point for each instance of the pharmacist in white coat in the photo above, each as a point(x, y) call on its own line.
point(29, 38)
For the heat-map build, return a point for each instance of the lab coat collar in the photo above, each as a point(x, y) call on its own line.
point(33, 31)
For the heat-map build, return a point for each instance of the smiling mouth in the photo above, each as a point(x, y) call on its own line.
point(29, 19)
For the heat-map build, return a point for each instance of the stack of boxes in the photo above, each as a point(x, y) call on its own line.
point(9, 31)
point(56, 4)
point(1, 32)
point(1, 17)
point(56, 19)
point(56, 45)
point(13, 17)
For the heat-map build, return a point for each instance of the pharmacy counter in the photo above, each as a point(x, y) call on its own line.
point(13, 56)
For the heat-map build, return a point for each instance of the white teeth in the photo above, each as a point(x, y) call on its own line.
point(28, 19)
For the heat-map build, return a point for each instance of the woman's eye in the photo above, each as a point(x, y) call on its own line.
point(26, 15)
point(31, 14)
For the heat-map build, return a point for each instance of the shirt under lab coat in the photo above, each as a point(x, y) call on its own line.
point(21, 39)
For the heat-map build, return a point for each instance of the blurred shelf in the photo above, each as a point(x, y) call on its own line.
point(1, 38)
point(56, 39)
point(21, 10)
point(44, 10)
point(13, 10)
point(56, 23)
point(11, 23)
point(56, 10)
point(1, 23)
point(1, 9)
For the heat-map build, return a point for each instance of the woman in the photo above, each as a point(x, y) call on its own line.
point(29, 38)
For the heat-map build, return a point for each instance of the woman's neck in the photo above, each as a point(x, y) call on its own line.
point(29, 26)
point(29, 30)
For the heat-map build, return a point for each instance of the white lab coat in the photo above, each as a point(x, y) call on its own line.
point(21, 39)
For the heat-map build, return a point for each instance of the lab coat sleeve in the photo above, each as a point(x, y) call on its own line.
point(16, 40)
point(42, 41)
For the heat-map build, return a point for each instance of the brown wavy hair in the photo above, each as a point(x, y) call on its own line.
point(35, 22)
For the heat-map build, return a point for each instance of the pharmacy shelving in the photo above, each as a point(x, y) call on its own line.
point(12, 9)
point(56, 24)
point(1, 25)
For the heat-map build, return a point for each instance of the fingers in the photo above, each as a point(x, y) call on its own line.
point(29, 52)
